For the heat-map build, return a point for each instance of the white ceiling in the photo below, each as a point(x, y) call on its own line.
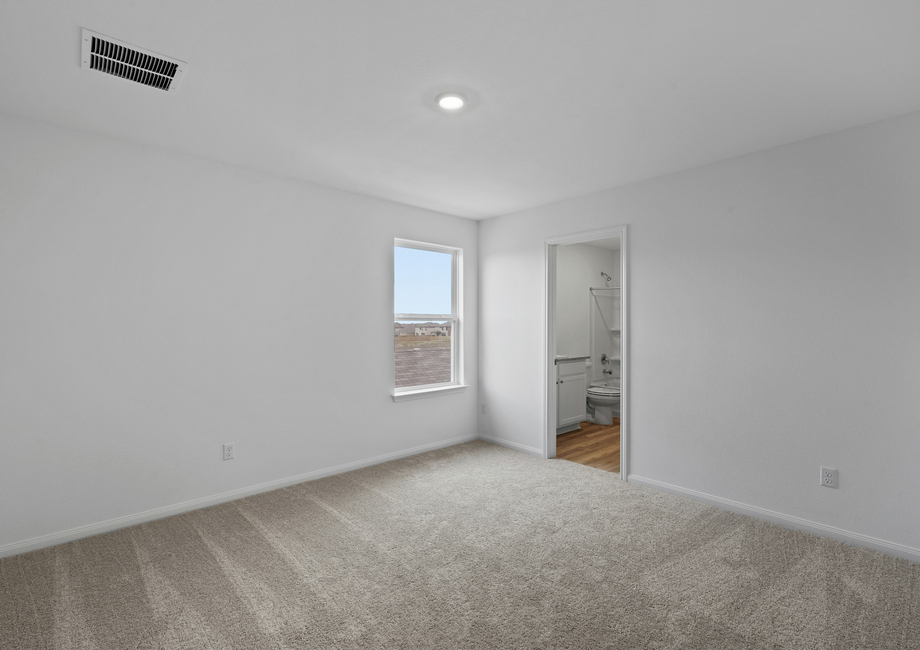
point(568, 97)
point(610, 244)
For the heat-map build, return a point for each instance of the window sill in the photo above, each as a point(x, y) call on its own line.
point(428, 392)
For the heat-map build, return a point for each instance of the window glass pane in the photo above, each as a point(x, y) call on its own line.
point(422, 352)
point(422, 281)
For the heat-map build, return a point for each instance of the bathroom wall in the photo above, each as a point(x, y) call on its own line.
point(578, 267)
point(154, 306)
point(774, 307)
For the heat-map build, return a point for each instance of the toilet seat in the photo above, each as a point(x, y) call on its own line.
point(604, 391)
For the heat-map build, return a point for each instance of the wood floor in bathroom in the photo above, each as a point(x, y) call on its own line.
point(595, 445)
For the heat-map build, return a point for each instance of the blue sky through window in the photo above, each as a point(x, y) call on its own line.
point(422, 281)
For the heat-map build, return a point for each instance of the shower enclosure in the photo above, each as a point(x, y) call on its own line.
point(604, 337)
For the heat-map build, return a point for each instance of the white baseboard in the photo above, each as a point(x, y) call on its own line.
point(53, 539)
point(512, 445)
point(787, 521)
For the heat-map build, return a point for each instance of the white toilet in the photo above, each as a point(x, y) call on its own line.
point(603, 402)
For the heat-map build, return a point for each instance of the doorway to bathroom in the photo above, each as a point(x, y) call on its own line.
point(586, 369)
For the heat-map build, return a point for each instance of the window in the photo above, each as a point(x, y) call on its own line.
point(426, 318)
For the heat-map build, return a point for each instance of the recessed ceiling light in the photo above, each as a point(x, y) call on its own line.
point(451, 101)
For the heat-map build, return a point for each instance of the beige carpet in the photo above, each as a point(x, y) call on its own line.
point(473, 546)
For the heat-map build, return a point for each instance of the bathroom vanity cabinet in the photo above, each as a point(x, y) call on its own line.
point(571, 386)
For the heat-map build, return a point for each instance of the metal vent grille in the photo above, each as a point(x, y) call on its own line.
point(128, 62)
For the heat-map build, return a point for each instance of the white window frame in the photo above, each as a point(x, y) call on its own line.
point(455, 318)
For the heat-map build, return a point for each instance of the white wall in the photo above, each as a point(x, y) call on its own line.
point(578, 268)
point(154, 306)
point(775, 326)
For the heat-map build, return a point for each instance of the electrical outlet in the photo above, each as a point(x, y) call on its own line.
point(483, 409)
point(829, 477)
point(228, 451)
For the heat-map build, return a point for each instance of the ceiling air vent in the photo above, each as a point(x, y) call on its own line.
point(129, 62)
